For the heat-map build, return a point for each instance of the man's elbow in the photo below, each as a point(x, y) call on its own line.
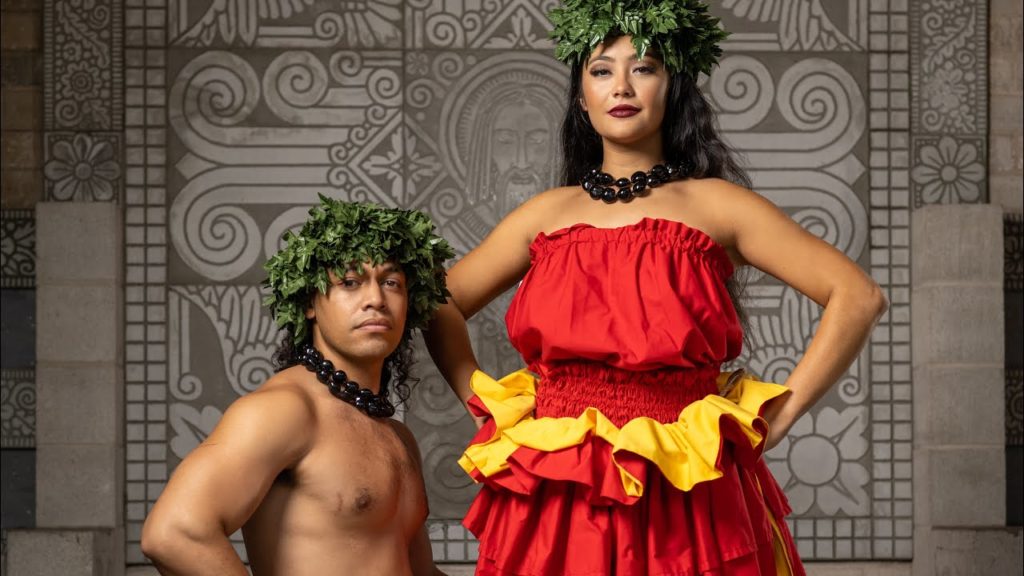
point(158, 538)
point(163, 538)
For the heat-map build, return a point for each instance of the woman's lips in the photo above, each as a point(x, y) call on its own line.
point(623, 111)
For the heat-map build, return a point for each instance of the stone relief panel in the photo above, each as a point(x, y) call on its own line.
point(285, 24)
point(949, 75)
point(238, 119)
point(18, 408)
point(83, 71)
point(82, 167)
point(17, 249)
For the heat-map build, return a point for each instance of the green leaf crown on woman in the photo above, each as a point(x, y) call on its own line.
point(682, 32)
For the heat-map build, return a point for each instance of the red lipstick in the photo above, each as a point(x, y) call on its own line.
point(623, 111)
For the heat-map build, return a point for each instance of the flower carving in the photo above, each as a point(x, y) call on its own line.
point(948, 172)
point(946, 91)
point(82, 169)
point(818, 462)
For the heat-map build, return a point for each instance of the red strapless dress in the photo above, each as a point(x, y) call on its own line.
point(623, 450)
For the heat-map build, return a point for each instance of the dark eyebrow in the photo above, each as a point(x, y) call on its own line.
point(610, 59)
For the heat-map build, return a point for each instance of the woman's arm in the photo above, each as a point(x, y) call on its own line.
point(493, 267)
point(764, 237)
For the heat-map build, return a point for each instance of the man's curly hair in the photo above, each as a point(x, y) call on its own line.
point(338, 234)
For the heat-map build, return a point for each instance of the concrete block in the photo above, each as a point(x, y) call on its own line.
point(968, 552)
point(22, 106)
point(22, 189)
point(78, 323)
point(79, 485)
point(78, 242)
point(967, 487)
point(857, 568)
point(1005, 114)
point(958, 324)
point(1006, 153)
point(1007, 191)
point(80, 404)
point(22, 31)
point(959, 404)
point(21, 149)
point(957, 243)
point(63, 553)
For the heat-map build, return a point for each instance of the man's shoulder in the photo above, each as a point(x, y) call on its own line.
point(286, 394)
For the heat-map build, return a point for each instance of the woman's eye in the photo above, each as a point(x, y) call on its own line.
point(600, 72)
point(644, 69)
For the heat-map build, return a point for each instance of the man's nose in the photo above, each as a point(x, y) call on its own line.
point(373, 296)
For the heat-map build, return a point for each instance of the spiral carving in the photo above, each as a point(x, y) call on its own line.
point(421, 92)
point(852, 390)
point(344, 65)
point(435, 403)
point(385, 87)
point(250, 367)
point(329, 26)
point(445, 30)
point(187, 388)
point(294, 80)
point(224, 234)
point(809, 95)
point(743, 90)
point(446, 203)
point(448, 66)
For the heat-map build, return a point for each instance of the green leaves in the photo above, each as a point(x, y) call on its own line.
point(684, 34)
point(341, 233)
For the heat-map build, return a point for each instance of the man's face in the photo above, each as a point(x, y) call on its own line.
point(362, 315)
point(520, 150)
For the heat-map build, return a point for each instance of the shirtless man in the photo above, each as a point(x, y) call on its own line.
point(310, 466)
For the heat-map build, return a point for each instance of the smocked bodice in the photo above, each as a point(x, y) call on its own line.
point(646, 296)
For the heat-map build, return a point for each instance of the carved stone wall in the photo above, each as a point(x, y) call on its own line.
point(216, 129)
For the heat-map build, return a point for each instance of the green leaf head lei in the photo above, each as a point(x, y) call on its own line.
point(338, 234)
point(682, 32)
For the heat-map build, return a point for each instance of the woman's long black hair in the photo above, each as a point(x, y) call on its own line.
point(688, 136)
point(396, 376)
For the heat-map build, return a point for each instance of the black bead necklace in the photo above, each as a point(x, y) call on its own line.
point(600, 184)
point(376, 405)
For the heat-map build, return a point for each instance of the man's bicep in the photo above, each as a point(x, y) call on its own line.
point(223, 480)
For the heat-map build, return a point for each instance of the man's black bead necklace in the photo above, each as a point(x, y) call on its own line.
point(376, 405)
point(603, 186)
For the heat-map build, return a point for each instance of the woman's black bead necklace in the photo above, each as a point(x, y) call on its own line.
point(603, 186)
point(376, 405)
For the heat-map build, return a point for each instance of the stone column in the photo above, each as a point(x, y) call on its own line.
point(80, 405)
point(1006, 90)
point(958, 352)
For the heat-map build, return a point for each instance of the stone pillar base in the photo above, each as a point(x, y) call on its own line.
point(40, 552)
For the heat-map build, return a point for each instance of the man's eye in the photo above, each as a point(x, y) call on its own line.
point(392, 283)
point(350, 282)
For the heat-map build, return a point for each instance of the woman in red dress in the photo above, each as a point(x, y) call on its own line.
point(622, 449)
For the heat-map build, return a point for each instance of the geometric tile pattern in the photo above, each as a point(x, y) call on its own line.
point(949, 119)
point(145, 135)
point(891, 527)
point(17, 249)
point(230, 129)
point(17, 408)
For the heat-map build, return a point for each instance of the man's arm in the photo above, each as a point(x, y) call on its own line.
point(221, 483)
point(421, 557)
